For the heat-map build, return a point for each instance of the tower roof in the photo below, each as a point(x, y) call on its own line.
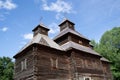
point(41, 25)
point(44, 40)
point(41, 28)
point(68, 30)
point(66, 20)
point(67, 26)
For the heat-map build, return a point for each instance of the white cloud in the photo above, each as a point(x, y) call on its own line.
point(53, 28)
point(7, 4)
point(59, 16)
point(59, 6)
point(28, 36)
point(4, 29)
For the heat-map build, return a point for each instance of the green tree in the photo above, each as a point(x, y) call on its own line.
point(95, 45)
point(6, 68)
point(109, 47)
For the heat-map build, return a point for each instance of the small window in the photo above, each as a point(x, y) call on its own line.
point(54, 63)
point(87, 78)
point(80, 42)
point(71, 26)
point(43, 31)
point(24, 64)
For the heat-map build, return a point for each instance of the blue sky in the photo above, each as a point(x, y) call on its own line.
point(18, 17)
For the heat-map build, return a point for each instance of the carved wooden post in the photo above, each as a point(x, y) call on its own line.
point(34, 62)
point(74, 68)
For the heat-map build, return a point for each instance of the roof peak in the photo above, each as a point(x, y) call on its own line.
point(41, 28)
point(66, 23)
point(42, 25)
point(64, 20)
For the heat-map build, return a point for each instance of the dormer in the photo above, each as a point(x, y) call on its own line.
point(66, 24)
point(40, 29)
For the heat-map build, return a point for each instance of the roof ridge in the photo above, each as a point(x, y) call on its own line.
point(79, 47)
point(66, 30)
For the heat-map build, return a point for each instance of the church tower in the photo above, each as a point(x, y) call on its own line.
point(40, 29)
point(68, 33)
point(66, 24)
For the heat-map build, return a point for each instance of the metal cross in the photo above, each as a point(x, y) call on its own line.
point(41, 18)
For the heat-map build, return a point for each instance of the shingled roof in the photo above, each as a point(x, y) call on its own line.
point(66, 20)
point(44, 40)
point(41, 25)
point(104, 59)
point(74, 45)
point(68, 30)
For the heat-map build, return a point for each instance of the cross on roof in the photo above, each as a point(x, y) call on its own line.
point(41, 18)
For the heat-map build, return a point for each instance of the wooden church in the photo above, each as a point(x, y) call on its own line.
point(69, 56)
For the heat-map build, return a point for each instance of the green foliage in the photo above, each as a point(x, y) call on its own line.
point(96, 45)
point(109, 47)
point(6, 68)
